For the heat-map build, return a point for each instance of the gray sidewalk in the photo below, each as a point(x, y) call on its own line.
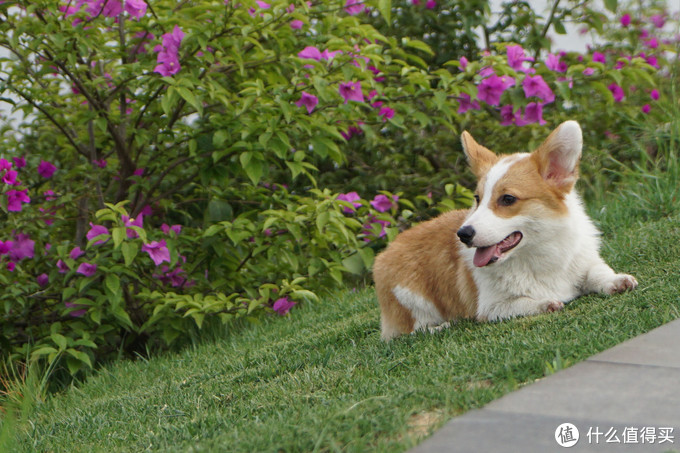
point(630, 393)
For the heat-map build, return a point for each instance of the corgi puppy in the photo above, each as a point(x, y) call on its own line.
point(527, 245)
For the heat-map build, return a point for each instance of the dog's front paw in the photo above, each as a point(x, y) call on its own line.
point(551, 306)
point(621, 283)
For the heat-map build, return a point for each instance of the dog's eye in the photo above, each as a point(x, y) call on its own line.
point(507, 200)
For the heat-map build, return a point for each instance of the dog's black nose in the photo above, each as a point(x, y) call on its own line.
point(466, 234)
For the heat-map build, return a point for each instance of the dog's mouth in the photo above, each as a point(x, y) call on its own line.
point(489, 255)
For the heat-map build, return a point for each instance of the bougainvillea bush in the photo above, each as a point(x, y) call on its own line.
point(179, 163)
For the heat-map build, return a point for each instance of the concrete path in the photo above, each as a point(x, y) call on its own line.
point(629, 394)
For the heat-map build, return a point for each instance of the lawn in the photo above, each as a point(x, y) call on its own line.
point(321, 379)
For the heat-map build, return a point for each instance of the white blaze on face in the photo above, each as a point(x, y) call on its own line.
point(490, 228)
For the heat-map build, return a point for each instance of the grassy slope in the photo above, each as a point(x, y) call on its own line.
point(322, 379)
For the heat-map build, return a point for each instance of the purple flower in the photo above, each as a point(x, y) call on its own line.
point(658, 20)
point(491, 88)
point(463, 63)
point(76, 253)
point(617, 91)
point(430, 4)
point(97, 230)
point(516, 57)
point(10, 177)
point(43, 279)
point(168, 56)
point(533, 113)
point(536, 86)
point(15, 198)
point(652, 43)
point(19, 162)
point(625, 20)
point(309, 101)
point(282, 306)
point(386, 113)
point(22, 247)
point(5, 164)
point(465, 104)
point(138, 222)
point(652, 61)
point(75, 313)
point(654, 94)
point(62, 266)
point(135, 8)
point(158, 251)
point(87, 269)
point(599, 57)
point(588, 71)
point(349, 197)
point(296, 24)
point(382, 203)
point(554, 63)
point(368, 228)
point(354, 7)
point(263, 5)
point(507, 116)
point(351, 91)
point(177, 229)
point(5, 247)
point(11, 266)
point(46, 169)
point(310, 53)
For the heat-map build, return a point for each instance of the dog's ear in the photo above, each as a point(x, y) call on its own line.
point(559, 155)
point(479, 157)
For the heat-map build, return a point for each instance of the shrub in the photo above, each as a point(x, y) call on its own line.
point(193, 160)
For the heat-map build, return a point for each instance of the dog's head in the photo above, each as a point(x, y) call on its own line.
point(519, 194)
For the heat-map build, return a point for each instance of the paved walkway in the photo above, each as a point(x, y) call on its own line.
point(630, 393)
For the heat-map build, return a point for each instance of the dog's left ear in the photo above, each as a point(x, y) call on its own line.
point(559, 155)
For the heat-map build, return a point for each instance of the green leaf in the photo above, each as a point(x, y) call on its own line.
point(119, 234)
point(45, 350)
point(385, 8)
point(415, 44)
point(81, 356)
point(354, 264)
point(112, 283)
point(611, 5)
point(322, 220)
point(559, 27)
point(190, 97)
point(130, 250)
point(59, 340)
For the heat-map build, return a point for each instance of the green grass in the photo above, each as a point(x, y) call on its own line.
point(321, 379)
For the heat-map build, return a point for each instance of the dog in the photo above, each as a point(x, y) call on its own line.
point(525, 247)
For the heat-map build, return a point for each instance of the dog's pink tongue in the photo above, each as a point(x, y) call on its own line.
point(483, 255)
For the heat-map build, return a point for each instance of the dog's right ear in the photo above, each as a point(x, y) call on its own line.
point(479, 157)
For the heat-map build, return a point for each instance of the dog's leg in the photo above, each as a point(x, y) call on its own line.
point(521, 306)
point(602, 279)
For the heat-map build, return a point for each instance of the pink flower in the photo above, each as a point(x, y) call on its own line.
point(352, 131)
point(158, 251)
point(507, 116)
point(349, 197)
point(43, 279)
point(177, 229)
point(87, 269)
point(368, 228)
point(536, 86)
point(62, 266)
point(646, 108)
point(168, 56)
point(5, 164)
point(15, 198)
point(382, 203)
point(128, 222)
point(10, 178)
point(135, 8)
point(296, 24)
point(309, 101)
point(654, 94)
point(22, 247)
point(652, 43)
point(652, 61)
point(588, 71)
point(5, 247)
point(96, 231)
point(11, 266)
point(351, 91)
point(658, 20)
point(310, 53)
point(490, 89)
point(46, 169)
point(599, 57)
point(386, 113)
point(263, 5)
point(430, 4)
point(282, 306)
point(463, 63)
point(617, 91)
point(516, 57)
point(465, 104)
point(354, 7)
point(76, 253)
point(75, 313)
point(554, 63)
point(533, 113)
point(625, 20)
point(19, 162)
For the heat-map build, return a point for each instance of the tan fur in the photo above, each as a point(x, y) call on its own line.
point(426, 260)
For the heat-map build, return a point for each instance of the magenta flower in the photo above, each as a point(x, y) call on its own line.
point(158, 251)
point(507, 116)
point(310, 53)
point(42, 279)
point(15, 198)
point(263, 5)
point(465, 104)
point(46, 169)
point(283, 305)
point(309, 101)
point(386, 113)
point(168, 56)
point(430, 4)
point(135, 8)
point(625, 20)
point(296, 24)
point(350, 197)
point(382, 203)
point(463, 63)
point(588, 71)
point(351, 131)
point(76, 253)
point(617, 91)
point(652, 61)
point(5, 164)
point(96, 231)
point(19, 162)
point(490, 89)
point(554, 63)
point(5, 247)
point(658, 20)
point(646, 108)
point(533, 113)
point(87, 269)
point(516, 57)
point(652, 43)
point(354, 7)
point(599, 57)
point(368, 228)
point(536, 86)
point(138, 222)
point(10, 178)
point(75, 313)
point(351, 91)
point(654, 94)
point(177, 229)
point(22, 247)
point(62, 266)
